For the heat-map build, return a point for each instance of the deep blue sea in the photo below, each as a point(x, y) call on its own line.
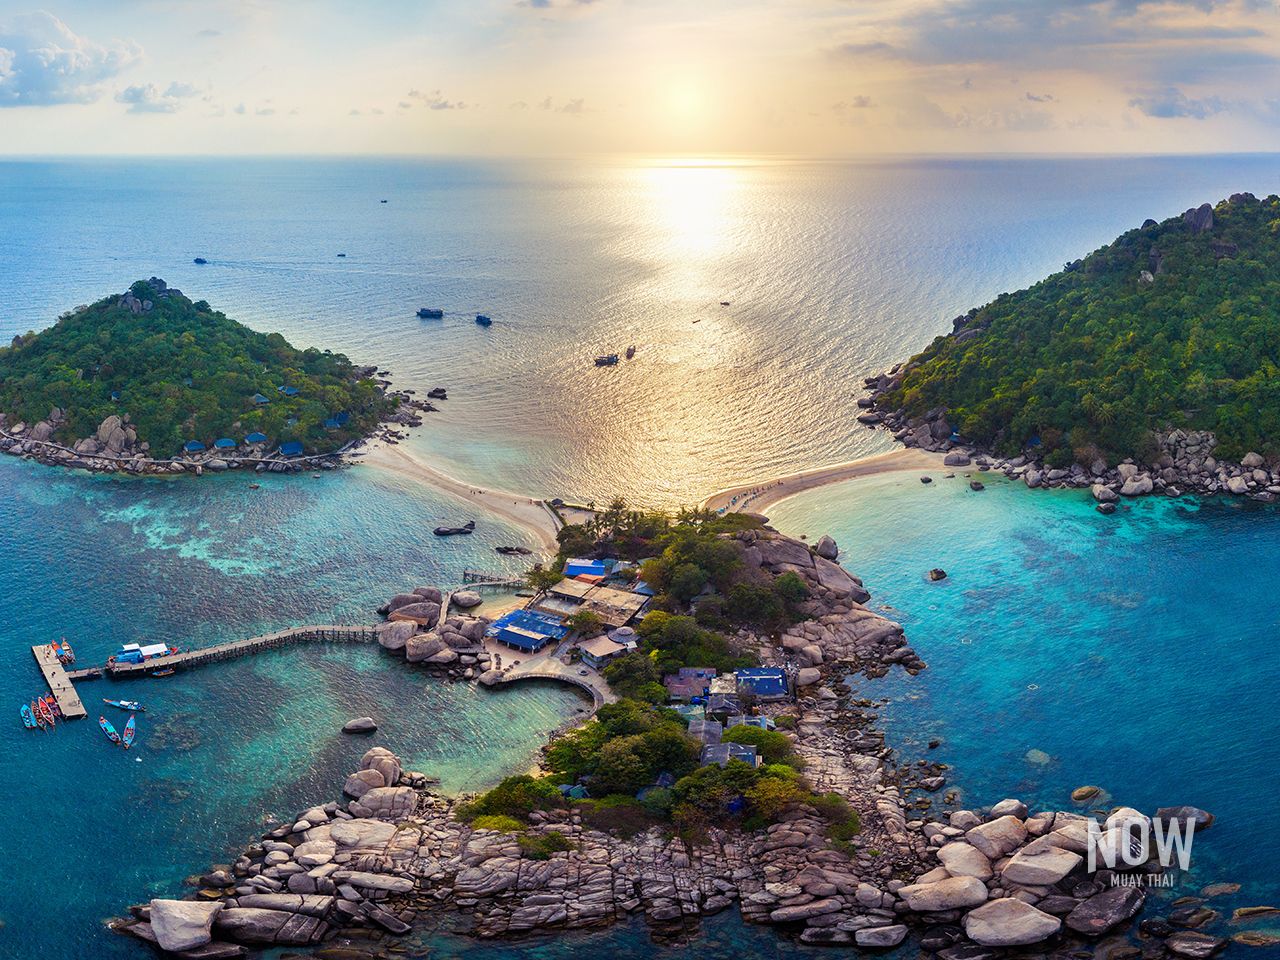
point(1147, 636)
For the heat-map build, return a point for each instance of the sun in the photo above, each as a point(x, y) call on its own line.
point(685, 102)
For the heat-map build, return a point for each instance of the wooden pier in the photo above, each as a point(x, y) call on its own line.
point(55, 675)
point(238, 648)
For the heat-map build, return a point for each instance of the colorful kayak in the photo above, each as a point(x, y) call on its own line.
point(28, 718)
point(108, 729)
point(130, 729)
point(130, 705)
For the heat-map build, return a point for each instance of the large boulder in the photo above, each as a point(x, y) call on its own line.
point(953, 893)
point(1103, 494)
point(1041, 868)
point(1252, 461)
point(1105, 910)
point(1136, 486)
point(423, 646)
point(826, 548)
point(1008, 922)
point(880, 937)
point(361, 833)
point(1199, 219)
point(956, 459)
point(257, 925)
point(183, 924)
point(779, 551)
point(385, 803)
point(360, 725)
point(394, 636)
point(466, 599)
point(385, 762)
point(429, 593)
point(833, 577)
point(404, 599)
point(998, 838)
point(1203, 819)
point(361, 782)
point(808, 676)
point(965, 860)
point(425, 614)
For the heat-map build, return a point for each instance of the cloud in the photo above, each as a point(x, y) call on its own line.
point(1172, 102)
point(574, 107)
point(148, 98)
point(859, 102)
point(435, 100)
point(870, 49)
point(239, 108)
point(42, 63)
point(265, 112)
point(208, 32)
point(1040, 98)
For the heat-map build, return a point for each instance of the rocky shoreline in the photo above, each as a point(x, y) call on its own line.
point(1185, 463)
point(355, 874)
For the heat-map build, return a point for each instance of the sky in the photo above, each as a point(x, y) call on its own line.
point(825, 78)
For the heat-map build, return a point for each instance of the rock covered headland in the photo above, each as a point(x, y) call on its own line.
point(356, 873)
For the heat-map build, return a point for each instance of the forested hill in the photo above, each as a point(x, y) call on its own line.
point(176, 371)
point(1174, 324)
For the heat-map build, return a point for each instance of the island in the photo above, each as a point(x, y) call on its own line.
point(1148, 366)
point(727, 762)
point(149, 381)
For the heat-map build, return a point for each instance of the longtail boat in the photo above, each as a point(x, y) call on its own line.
point(108, 729)
point(130, 729)
point(35, 712)
point(28, 718)
point(43, 709)
point(130, 705)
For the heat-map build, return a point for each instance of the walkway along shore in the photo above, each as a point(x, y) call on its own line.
point(763, 493)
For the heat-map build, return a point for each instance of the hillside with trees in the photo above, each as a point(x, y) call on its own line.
point(176, 371)
point(1174, 324)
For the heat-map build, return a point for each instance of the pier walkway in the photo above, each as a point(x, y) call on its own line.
point(238, 648)
point(56, 676)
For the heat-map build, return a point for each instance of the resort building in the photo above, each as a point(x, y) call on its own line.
point(764, 723)
point(586, 568)
point(689, 682)
point(763, 683)
point(721, 753)
point(291, 449)
point(615, 608)
point(526, 630)
point(723, 706)
point(599, 651)
point(708, 731)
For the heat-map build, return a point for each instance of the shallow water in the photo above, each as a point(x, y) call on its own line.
point(1136, 650)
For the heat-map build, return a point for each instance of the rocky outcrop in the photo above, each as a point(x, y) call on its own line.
point(183, 924)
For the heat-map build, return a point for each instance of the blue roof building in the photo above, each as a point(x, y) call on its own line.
point(763, 683)
point(225, 443)
point(291, 449)
point(526, 630)
point(722, 753)
point(287, 390)
point(115, 395)
point(256, 438)
point(342, 418)
point(259, 399)
point(590, 568)
point(193, 446)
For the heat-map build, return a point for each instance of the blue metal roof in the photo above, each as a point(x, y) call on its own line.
point(259, 398)
point(287, 390)
point(291, 449)
point(763, 681)
point(526, 622)
point(256, 438)
point(595, 568)
point(193, 446)
point(331, 424)
point(225, 443)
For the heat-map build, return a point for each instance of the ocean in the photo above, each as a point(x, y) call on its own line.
point(1146, 634)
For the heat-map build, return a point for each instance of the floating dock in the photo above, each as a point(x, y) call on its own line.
point(55, 675)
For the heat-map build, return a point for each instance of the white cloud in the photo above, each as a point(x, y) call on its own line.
point(148, 98)
point(435, 100)
point(42, 63)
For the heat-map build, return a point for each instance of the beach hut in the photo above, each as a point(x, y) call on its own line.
point(192, 446)
point(224, 443)
point(259, 399)
point(256, 438)
point(578, 567)
point(287, 390)
point(291, 449)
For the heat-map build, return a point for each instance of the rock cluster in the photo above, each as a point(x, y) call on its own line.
point(453, 646)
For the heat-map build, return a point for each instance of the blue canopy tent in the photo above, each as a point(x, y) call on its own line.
point(256, 438)
point(193, 446)
point(225, 443)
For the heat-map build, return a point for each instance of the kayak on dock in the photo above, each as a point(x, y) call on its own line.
point(130, 729)
point(130, 705)
point(28, 718)
point(108, 729)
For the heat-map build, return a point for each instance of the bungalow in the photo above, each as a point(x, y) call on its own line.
point(192, 446)
point(259, 399)
point(224, 443)
point(763, 683)
point(722, 706)
point(578, 567)
point(599, 651)
point(721, 753)
point(256, 438)
point(764, 723)
point(287, 390)
point(291, 449)
point(688, 682)
point(615, 608)
point(707, 731)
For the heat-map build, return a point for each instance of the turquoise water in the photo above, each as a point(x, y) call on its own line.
point(833, 270)
point(1136, 650)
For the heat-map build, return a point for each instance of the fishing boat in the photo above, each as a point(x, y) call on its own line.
point(108, 729)
point(130, 705)
point(62, 650)
point(45, 713)
point(163, 672)
point(35, 712)
point(52, 703)
point(483, 321)
point(130, 729)
point(430, 313)
point(461, 531)
point(608, 360)
point(28, 718)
